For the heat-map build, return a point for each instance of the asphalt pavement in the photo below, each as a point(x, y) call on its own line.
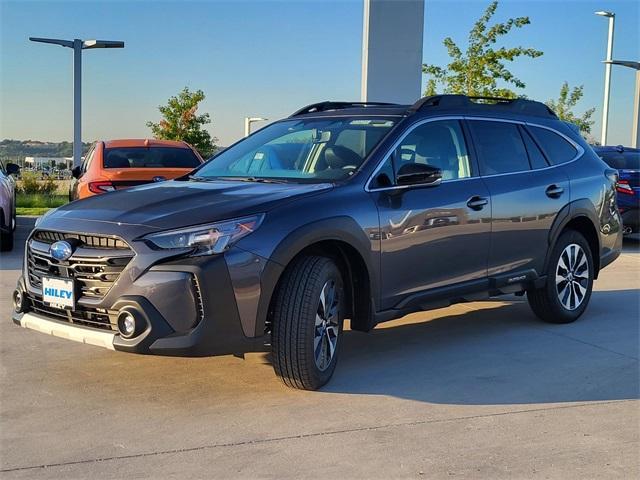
point(479, 390)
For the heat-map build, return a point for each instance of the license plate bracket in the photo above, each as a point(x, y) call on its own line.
point(59, 293)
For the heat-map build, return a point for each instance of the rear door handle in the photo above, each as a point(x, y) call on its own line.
point(554, 191)
point(477, 203)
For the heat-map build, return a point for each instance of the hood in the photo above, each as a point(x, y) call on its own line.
point(175, 204)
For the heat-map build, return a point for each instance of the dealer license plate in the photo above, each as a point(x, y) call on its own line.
point(58, 292)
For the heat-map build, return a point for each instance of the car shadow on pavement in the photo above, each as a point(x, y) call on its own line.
point(494, 352)
point(13, 260)
point(499, 353)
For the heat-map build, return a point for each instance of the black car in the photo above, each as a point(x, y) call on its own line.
point(359, 211)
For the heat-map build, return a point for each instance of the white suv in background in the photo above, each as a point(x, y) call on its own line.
point(7, 205)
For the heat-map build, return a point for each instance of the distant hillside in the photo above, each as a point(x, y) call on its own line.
point(16, 150)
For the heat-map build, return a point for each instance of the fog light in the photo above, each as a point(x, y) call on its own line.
point(127, 324)
point(19, 301)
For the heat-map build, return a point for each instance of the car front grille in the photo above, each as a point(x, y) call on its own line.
point(95, 265)
point(86, 317)
point(87, 241)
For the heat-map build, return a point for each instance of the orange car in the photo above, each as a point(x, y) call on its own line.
point(116, 164)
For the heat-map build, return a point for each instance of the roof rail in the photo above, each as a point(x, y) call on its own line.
point(324, 106)
point(515, 105)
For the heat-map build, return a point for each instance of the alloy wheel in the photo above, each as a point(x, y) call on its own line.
point(327, 326)
point(572, 276)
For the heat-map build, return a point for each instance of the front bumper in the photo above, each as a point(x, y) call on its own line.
point(70, 332)
point(188, 306)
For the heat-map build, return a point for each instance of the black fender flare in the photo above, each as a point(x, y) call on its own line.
point(578, 208)
point(342, 228)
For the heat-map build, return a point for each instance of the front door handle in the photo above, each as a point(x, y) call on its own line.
point(554, 191)
point(477, 203)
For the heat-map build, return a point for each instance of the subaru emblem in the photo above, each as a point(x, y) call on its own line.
point(61, 250)
point(159, 178)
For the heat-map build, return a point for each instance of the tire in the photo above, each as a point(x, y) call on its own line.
point(567, 291)
point(300, 324)
point(6, 236)
point(6, 241)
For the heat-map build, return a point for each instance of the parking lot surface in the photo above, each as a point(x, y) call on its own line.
point(480, 390)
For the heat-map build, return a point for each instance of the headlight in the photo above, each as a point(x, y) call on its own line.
point(207, 239)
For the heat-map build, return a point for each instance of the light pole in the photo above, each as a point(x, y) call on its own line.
point(248, 121)
point(78, 45)
point(635, 130)
point(607, 74)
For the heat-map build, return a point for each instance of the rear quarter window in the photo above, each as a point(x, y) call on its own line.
point(150, 157)
point(556, 148)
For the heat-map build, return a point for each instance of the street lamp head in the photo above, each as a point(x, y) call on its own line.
point(54, 41)
point(624, 63)
point(604, 13)
point(102, 44)
point(86, 44)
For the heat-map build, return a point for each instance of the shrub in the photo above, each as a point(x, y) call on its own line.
point(29, 183)
point(48, 186)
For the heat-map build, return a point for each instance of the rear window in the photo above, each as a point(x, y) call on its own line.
point(558, 150)
point(149, 157)
point(621, 160)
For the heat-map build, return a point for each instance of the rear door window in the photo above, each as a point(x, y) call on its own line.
point(536, 157)
point(557, 149)
point(150, 157)
point(500, 147)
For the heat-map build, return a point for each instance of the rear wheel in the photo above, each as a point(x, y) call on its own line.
point(308, 316)
point(569, 281)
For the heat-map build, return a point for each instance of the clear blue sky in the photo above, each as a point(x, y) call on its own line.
point(268, 58)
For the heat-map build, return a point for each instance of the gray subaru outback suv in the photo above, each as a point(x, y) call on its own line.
point(359, 211)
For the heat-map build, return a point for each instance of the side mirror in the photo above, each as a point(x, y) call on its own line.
point(419, 174)
point(75, 172)
point(12, 169)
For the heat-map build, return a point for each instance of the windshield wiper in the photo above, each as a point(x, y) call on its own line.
point(239, 179)
point(253, 179)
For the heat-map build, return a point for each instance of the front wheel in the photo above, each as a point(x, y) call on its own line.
point(569, 283)
point(308, 315)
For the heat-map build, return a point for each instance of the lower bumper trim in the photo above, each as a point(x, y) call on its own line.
point(70, 332)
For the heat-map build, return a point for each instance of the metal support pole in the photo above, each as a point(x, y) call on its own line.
point(77, 102)
point(607, 82)
point(247, 126)
point(635, 134)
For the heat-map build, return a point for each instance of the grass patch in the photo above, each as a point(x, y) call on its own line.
point(32, 211)
point(36, 200)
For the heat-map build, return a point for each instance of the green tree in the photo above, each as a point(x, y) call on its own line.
point(566, 102)
point(478, 70)
point(181, 122)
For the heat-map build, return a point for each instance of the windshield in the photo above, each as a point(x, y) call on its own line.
point(312, 150)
